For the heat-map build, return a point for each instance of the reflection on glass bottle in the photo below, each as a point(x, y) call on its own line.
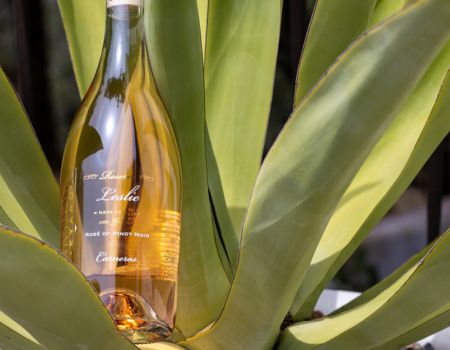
point(121, 185)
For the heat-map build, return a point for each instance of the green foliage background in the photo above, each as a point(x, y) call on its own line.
point(258, 241)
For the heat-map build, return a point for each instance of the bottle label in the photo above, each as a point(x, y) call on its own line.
point(127, 229)
point(111, 3)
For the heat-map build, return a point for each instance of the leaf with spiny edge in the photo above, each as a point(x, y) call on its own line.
point(383, 322)
point(334, 25)
point(45, 289)
point(176, 60)
point(311, 165)
point(28, 189)
point(241, 51)
point(386, 173)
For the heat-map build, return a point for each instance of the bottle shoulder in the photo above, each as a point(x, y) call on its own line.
point(105, 127)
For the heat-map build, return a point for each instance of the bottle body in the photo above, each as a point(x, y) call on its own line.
point(121, 187)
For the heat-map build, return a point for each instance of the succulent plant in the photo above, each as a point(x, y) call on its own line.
point(259, 241)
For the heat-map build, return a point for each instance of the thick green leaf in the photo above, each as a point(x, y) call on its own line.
point(227, 240)
point(11, 340)
point(28, 189)
point(5, 219)
point(381, 286)
point(12, 326)
point(384, 322)
point(46, 289)
point(203, 17)
point(433, 322)
point(392, 165)
point(422, 330)
point(386, 8)
point(176, 59)
point(241, 50)
point(84, 23)
point(312, 164)
point(335, 24)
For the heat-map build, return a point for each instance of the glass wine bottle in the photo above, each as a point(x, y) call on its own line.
point(121, 185)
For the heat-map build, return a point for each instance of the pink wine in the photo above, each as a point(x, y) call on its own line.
point(121, 185)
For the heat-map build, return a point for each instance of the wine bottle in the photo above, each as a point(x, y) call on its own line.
point(121, 185)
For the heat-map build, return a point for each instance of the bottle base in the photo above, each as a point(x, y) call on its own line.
point(151, 332)
point(134, 317)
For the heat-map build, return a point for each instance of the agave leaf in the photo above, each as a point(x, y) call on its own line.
point(334, 25)
point(11, 340)
point(11, 325)
point(222, 253)
point(392, 165)
point(5, 219)
point(386, 8)
point(241, 50)
point(28, 189)
point(430, 324)
point(311, 165)
point(227, 240)
point(84, 23)
point(377, 289)
point(423, 329)
point(176, 58)
point(384, 322)
point(44, 289)
point(433, 321)
point(203, 17)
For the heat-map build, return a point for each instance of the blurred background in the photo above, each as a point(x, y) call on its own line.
point(35, 56)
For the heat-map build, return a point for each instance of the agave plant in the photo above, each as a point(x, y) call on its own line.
point(259, 242)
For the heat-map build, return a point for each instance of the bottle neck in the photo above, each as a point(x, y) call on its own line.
point(124, 38)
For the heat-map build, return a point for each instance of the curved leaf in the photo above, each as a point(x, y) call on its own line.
point(45, 289)
point(312, 164)
point(392, 165)
point(5, 219)
point(11, 340)
point(386, 8)
point(377, 289)
point(384, 319)
point(176, 59)
point(84, 23)
point(334, 25)
point(29, 193)
point(11, 325)
point(421, 330)
point(227, 239)
point(241, 51)
point(432, 323)
point(203, 17)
